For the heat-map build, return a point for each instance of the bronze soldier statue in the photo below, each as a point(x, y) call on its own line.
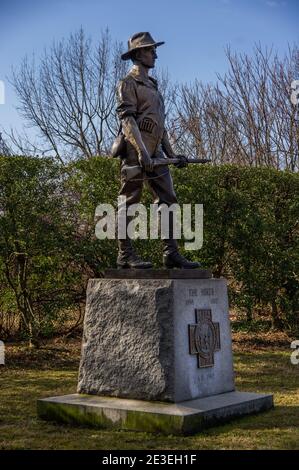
point(142, 116)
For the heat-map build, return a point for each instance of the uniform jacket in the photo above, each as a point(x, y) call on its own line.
point(139, 97)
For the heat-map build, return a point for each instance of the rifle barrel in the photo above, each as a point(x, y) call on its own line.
point(169, 161)
point(132, 171)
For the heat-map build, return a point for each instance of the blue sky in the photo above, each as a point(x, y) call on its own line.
point(195, 32)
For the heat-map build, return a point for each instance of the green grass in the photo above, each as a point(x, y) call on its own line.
point(53, 371)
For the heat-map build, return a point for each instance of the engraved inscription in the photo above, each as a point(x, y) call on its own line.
point(205, 377)
point(207, 291)
point(204, 338)
point(189, 302)
point(193, 292)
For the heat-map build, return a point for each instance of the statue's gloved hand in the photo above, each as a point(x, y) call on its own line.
point(183, 161)
point(145, 160)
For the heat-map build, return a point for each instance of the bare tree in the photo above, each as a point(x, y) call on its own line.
point(70, 96)
point(247, 117)
point(195, 125)
point(4, 148)
point(259, 88)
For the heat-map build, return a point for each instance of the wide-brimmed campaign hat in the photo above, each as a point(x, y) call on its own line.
point(139, 40)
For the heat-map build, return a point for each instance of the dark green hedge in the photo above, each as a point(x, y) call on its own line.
point(48, 249)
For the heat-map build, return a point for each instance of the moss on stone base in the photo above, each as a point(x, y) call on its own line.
point(109, 418)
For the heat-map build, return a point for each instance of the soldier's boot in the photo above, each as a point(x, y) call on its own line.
point(171, 256)
point(127, 258)
point(176, 260)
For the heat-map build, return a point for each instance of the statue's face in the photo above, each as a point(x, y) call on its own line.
point(146, 56)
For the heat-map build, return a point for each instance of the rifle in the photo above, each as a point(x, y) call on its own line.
point(132, 171)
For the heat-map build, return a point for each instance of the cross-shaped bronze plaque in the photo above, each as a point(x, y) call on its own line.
point(204, 337)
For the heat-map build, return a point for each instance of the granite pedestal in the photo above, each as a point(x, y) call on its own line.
point(156, 355)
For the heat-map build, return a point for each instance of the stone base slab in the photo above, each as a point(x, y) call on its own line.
point(141, 341)
point(186, 417)
point(157, 274)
